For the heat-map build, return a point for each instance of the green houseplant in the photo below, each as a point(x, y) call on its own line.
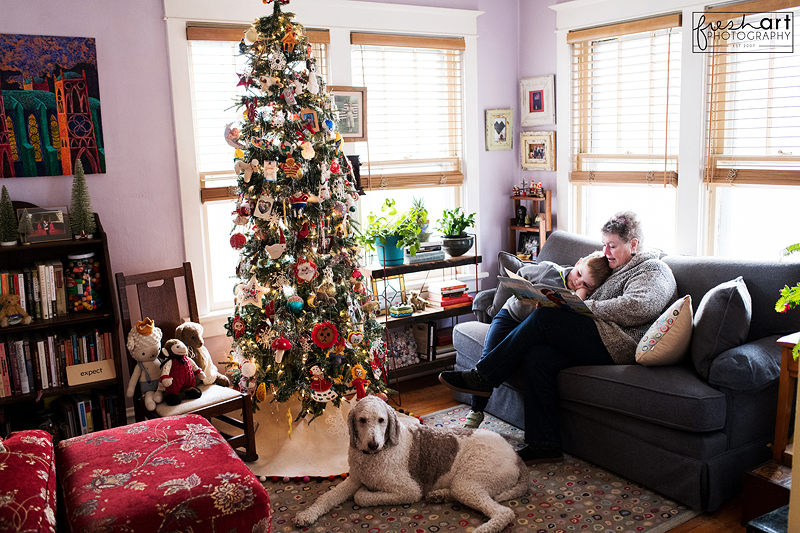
point(392, 230)
point(790, 296)
point(452, 225)
point(422, 218)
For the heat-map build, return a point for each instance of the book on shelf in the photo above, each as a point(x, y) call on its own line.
point(41, 365)
point(545, 295)
point(13, 364)
point(5, 383)
point(423, 336)
point(461, 301)
point(36, 289)
point(446, 287)
point(424, 257)
point(24, 352)
point(59, 287)
point(30, 301)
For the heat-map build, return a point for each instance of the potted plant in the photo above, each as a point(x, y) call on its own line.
point(790, 296)
point(392, 232)
point(422, 218)
point(456, 241)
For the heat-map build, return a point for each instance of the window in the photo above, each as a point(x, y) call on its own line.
point(414, 146)
point(625, 111)
point(753, 143)
point(215, 66)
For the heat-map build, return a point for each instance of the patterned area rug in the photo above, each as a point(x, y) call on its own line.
point(573, 495)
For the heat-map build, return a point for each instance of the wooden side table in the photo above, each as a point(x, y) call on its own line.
point(786, 399)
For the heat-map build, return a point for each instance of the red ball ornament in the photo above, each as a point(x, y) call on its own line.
point(238, 240)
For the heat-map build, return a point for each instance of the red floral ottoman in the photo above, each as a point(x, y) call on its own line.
point(27, 482)
point(167, 474)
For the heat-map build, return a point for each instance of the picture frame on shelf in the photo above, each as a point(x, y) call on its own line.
point(49, 224)
point(395, 287)
point(538, 150)
point(537, 101)
point(350, 106)
point(499, 129)
point(528, 244)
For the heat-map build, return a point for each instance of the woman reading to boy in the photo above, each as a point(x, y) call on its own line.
point(542, 342)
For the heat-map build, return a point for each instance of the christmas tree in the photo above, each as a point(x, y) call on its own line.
point(303, 322)
point(25, 225)
point(8, 220)
point(81, 214)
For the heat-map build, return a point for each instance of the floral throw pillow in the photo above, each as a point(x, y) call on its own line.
point(28, 482)
point(667, 340)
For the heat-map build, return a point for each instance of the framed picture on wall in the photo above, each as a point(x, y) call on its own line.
point(350, 106)
point(499, 129)
point(537, 101)
point(538, 150)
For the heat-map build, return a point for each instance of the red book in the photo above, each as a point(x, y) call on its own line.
point(454, 302)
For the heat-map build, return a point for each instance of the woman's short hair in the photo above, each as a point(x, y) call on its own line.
point(597, 265)
point(625, 225)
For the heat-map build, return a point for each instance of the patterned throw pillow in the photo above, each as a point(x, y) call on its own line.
point(667, 340)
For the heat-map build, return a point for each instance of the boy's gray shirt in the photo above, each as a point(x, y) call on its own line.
point(546, 273)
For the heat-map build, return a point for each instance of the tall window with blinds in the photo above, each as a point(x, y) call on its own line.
point(625, 111)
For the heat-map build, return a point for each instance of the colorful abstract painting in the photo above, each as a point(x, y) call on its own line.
point(49, 106)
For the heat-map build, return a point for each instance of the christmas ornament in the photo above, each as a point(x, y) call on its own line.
point(238, 240)
point(232, 136)
point(269, 310)
point(278, 119)
point(289, 40)
point(288, 96)
point(307, 150)
point(335, 168)
point(305, 270)
point(324, 192)
point(303, 233)
point(280, 345)
point(274, 251)
point(295, 304)
point(271, 170)
point(247, 383)
point(261, 392)
point(277, 60)
point(286, 148)
point(313, 84)
point(339, 210)
point(298, 202)
point(354, 338)
point(360, 381)
point(238, 326)
point(246, 169)
point(264, 207)
point(253, 292)
point(324, 334)
point(266, 82)
point(336, 352)
point(292, 169)
point(339, 142)
point(321, 388)
point(259, 143)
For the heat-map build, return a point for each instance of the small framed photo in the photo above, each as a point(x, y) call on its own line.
point(350, 107)
point(537, 101)
point(49, 224)
point(528, 244)
point(538, 150)
point(499, 129)
point(309, 116)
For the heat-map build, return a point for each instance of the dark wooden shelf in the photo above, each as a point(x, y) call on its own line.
point(379, 272)
point(64, 320)
point(545, 220)
point(58, 391)
point(441, 362)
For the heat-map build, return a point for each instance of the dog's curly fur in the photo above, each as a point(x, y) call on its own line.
point(394, 464)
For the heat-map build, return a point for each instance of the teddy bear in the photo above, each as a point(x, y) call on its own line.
point(191, 334)
point(179, 373)
point(11, 312)
point(144, 345)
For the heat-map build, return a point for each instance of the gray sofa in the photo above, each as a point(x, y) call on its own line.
point(688, 430)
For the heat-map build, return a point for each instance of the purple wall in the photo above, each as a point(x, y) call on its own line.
point(138, 199)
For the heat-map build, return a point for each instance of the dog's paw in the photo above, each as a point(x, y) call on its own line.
point(438, 496)
point(304, 518)
point(363, 498)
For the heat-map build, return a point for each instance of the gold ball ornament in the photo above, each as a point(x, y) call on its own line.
point(330, 290)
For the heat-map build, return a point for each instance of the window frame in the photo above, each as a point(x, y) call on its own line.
point(340, 19)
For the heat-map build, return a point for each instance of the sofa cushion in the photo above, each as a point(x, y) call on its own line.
point(505, 261)
point(749, 367)
point(672, 396)
point(722, 322)
point(28, 482)
point(667, 340)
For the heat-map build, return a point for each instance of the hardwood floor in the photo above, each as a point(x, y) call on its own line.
point(425, 395)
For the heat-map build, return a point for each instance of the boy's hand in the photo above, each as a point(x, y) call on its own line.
point(582, 293)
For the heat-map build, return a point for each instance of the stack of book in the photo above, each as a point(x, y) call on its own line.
point(40, 287)
point(428, 251)
point(444, 340)
point(448, 294)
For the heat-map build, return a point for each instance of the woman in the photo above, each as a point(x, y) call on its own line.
point(550, 340)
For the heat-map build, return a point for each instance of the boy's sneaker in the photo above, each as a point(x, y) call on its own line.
point(540, 453)
point(474, 419)
point(467, 381)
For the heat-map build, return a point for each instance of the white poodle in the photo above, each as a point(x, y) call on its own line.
point(395, 464)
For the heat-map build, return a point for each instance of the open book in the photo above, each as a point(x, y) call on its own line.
point(545, 295)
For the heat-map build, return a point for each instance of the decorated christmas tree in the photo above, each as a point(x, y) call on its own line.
point(81, 214)
point(8, 219)
point(303, 323)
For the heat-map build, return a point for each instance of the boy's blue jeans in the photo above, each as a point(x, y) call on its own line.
point(541, 346)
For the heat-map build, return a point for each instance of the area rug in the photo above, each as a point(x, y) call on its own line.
point(573, 495)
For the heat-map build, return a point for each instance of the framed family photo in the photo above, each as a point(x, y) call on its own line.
point(537, 101)
point(350, 106)
point(499, 129)
point(538, 150)
point(49, 224)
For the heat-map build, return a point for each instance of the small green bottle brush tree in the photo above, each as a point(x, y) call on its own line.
point(81, 215)
point(8, 219)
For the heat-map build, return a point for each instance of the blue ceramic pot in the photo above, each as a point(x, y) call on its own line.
point(389, 254)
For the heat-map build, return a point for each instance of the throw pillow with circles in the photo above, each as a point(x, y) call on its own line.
point(666, 342)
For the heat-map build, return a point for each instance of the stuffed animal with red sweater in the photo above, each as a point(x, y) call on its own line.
point(179, 374)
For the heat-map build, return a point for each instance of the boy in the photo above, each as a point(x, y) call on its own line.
point(588, 273)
